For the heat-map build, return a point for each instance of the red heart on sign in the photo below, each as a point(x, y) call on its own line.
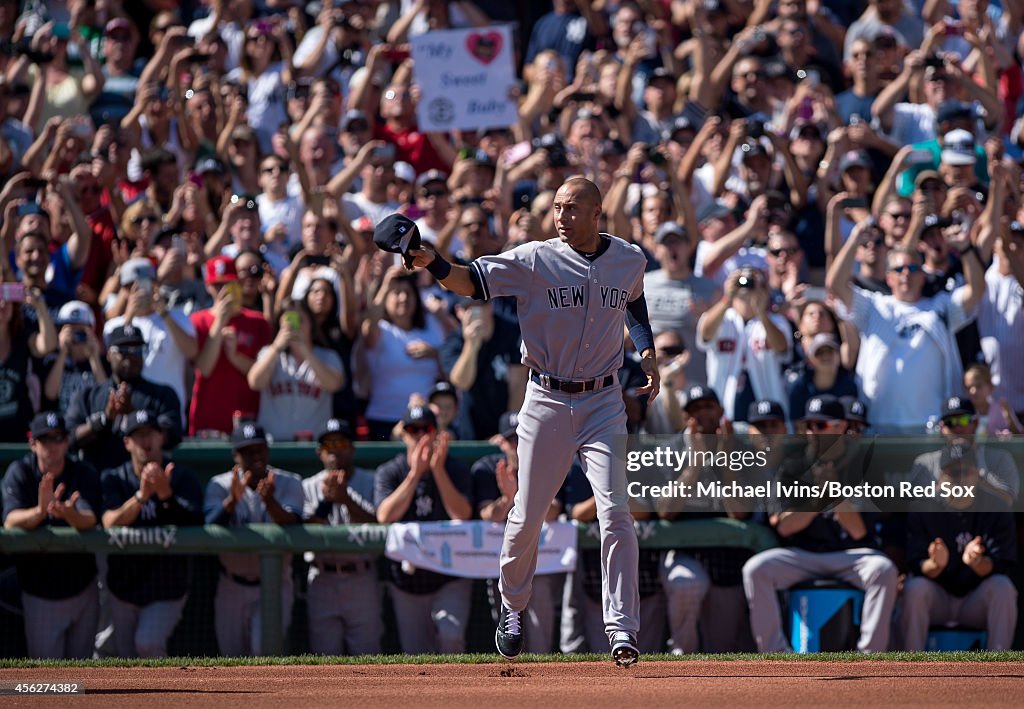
point(484, 46)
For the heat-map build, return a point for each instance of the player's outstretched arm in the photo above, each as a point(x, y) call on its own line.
point(452, 276)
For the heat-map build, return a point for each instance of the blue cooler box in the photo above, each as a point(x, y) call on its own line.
point(824, 616)
point(956, 639)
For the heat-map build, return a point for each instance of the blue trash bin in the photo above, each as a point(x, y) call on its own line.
point(824, 616)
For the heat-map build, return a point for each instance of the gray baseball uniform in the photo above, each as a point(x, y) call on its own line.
point(237, 602)
point(344, 597)
point(572, 313)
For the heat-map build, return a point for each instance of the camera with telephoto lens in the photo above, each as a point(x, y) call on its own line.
point(755, 128)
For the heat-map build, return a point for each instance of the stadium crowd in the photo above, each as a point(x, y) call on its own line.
point(828, 193)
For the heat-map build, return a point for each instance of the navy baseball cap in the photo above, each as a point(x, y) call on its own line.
point(335, 426)
point(209, 165)
point(125, 336)
point(140, 418)
point(697, 393)
point(824, 408)
point(397, 234)
point(954, 110)
point(354, 116)
point(442, 388)
point(248, 433)
point(419, 416)
point(46, 422)
point(856, 410)
point(957, 405)
point(753, 150)
point(854, 158)
point(431, 176)
point(765, 410)
point(508, 424)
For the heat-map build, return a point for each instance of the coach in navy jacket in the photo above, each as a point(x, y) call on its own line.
point(959, 552)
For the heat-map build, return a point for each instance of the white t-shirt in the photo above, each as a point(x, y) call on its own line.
point(294, 400)
point(357, 205)
point(738, 346)
point(394, 375)
point(288, 212)
point(912, 123)
point(164, 361)
point(747, 256)
point(905, 374)
point(267, 109)
point(1001, 324)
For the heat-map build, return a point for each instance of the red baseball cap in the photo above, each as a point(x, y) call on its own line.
point(220, 269)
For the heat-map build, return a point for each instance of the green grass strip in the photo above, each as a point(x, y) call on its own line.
point(492, 659)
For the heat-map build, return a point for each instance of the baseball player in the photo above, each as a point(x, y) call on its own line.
point(572, 295)
point(344, 597)
point(47, 488)
point(251, 492)
point(148, 592)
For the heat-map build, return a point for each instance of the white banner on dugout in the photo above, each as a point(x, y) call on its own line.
point(466, 79)
point(471, 549)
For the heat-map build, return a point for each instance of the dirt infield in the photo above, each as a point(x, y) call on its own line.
point(580, 684)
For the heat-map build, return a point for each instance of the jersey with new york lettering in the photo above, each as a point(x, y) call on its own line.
point(571, 310)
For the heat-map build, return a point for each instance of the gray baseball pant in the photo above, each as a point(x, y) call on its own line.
point(433, 622)
point(143, 631)
point(571, 636)
point(236, 609)
point(553, 428)
point(774, 570)
point(686, 584)
point(344, 612)
point(64, 628)
point(992, 606)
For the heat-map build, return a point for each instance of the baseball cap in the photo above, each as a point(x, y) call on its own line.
point(824, 408)
point(753, 150)
point(248, 433)
point(220, 269)
point(508, 424)
point(431, 176)
point(660, 73)
point(697, 393)
point(140, 418)
point(210, 165)
point(801, 124)
point(926, 175)
point(405, 172)
point(335, 426)
point(47, 422)
point(856, 410)
point(854, 158)
point(957, 405)
point(397, 233)
point(419, 416)
point(820, 341)
point(713, 210)
point(888, 36)
point(137, 269)
point(442, 388)
point(954, 110)
point(668, 229)
point(958, 148)
point(354, 116)
point(765, 410)
point(125, 336)
point(118, 23)
point(75, 312)
point(680, 122)
point(243, 133)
